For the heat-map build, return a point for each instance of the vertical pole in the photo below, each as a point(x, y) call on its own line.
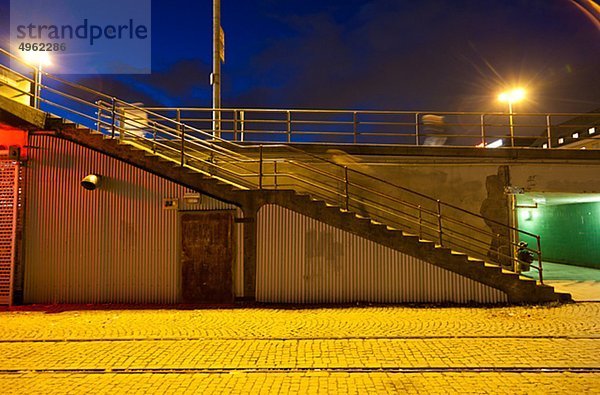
point(178, 119)
point(420, 223)
point(439, 215)
point(235, 125)
point(513, 236)
point(549, 130)
point(355, 125)
point(242, 125)
point(154, 129)
point(98, 124)
point(417, 128)
point(540, 270)
point(39, 95)
point(346, 189)
point(289, 126)
point(483, 130)
point(182, 145)
point(512, 128)
point(37, 81)
point(275, 173)
point(112, 117)
point(260, 167)
point(216, 75)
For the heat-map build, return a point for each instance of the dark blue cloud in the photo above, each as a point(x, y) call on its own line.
point(386, 54)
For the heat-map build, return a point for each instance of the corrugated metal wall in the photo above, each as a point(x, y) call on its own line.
point(303, 260)
point(113, 245)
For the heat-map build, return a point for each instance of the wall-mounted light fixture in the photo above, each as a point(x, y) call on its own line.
point(91, 182)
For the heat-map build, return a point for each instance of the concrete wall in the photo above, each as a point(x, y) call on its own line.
point(478, 184)
point(567, 177)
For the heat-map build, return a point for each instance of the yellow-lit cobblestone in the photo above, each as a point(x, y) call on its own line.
point(302, 383)
point(317, 350)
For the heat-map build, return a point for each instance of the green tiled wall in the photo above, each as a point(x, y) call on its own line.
point(570, 232)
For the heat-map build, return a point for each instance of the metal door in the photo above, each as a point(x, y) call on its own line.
point(207, 255)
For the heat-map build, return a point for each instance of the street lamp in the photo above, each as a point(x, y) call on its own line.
point(37, 59)
point(510, 97)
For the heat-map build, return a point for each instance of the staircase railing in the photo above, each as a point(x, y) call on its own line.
point(278, 167)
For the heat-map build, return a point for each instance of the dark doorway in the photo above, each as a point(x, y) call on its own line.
point(207, 255)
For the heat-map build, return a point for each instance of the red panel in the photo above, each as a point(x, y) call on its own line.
point(13, 136)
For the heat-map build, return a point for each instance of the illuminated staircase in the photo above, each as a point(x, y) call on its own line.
point(252, 176)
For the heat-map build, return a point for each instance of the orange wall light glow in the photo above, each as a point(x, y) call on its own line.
point(10, 136)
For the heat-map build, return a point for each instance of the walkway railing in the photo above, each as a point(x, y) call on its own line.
point(277, 167)
point(459, 129)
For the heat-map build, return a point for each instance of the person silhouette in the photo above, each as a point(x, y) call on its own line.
point(434, 128)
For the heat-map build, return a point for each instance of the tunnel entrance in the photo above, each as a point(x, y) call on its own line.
point(569, 226)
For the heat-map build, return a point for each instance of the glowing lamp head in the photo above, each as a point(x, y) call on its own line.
point(512, 96)
point(37, 58)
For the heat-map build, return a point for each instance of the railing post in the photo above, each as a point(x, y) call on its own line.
point(289, 126)
point(37, 87)
point(439, 216)
point(540, 269)
point(549, 131)
point(113, 117)
point(420, 222)
point(355, 126)
point(242, 125)
point(99, 113)
point(275, 173)
point(511, 124)
point(178, 119)
point(235, 126)
point(260, 166)
point(483, 130)
point(416, 128)
point(346, 189)
point(154, 137)
point(182, 145)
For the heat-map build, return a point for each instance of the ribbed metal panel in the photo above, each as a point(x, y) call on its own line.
point(302, 260)
point(113, 245)
point(9, 184)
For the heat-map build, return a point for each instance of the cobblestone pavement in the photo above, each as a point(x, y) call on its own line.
point(316, 350)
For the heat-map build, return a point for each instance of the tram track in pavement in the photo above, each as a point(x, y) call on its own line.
point(216, 338)
point(504, 369)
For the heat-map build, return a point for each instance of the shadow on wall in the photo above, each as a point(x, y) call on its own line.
point(495, 208)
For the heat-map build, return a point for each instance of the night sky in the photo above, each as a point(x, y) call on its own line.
point(444, 55)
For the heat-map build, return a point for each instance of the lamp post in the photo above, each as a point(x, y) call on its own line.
point(511, 97)
point(218, 55)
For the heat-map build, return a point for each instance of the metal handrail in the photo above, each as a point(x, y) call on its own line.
point(530, 129)
point(208, 153)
